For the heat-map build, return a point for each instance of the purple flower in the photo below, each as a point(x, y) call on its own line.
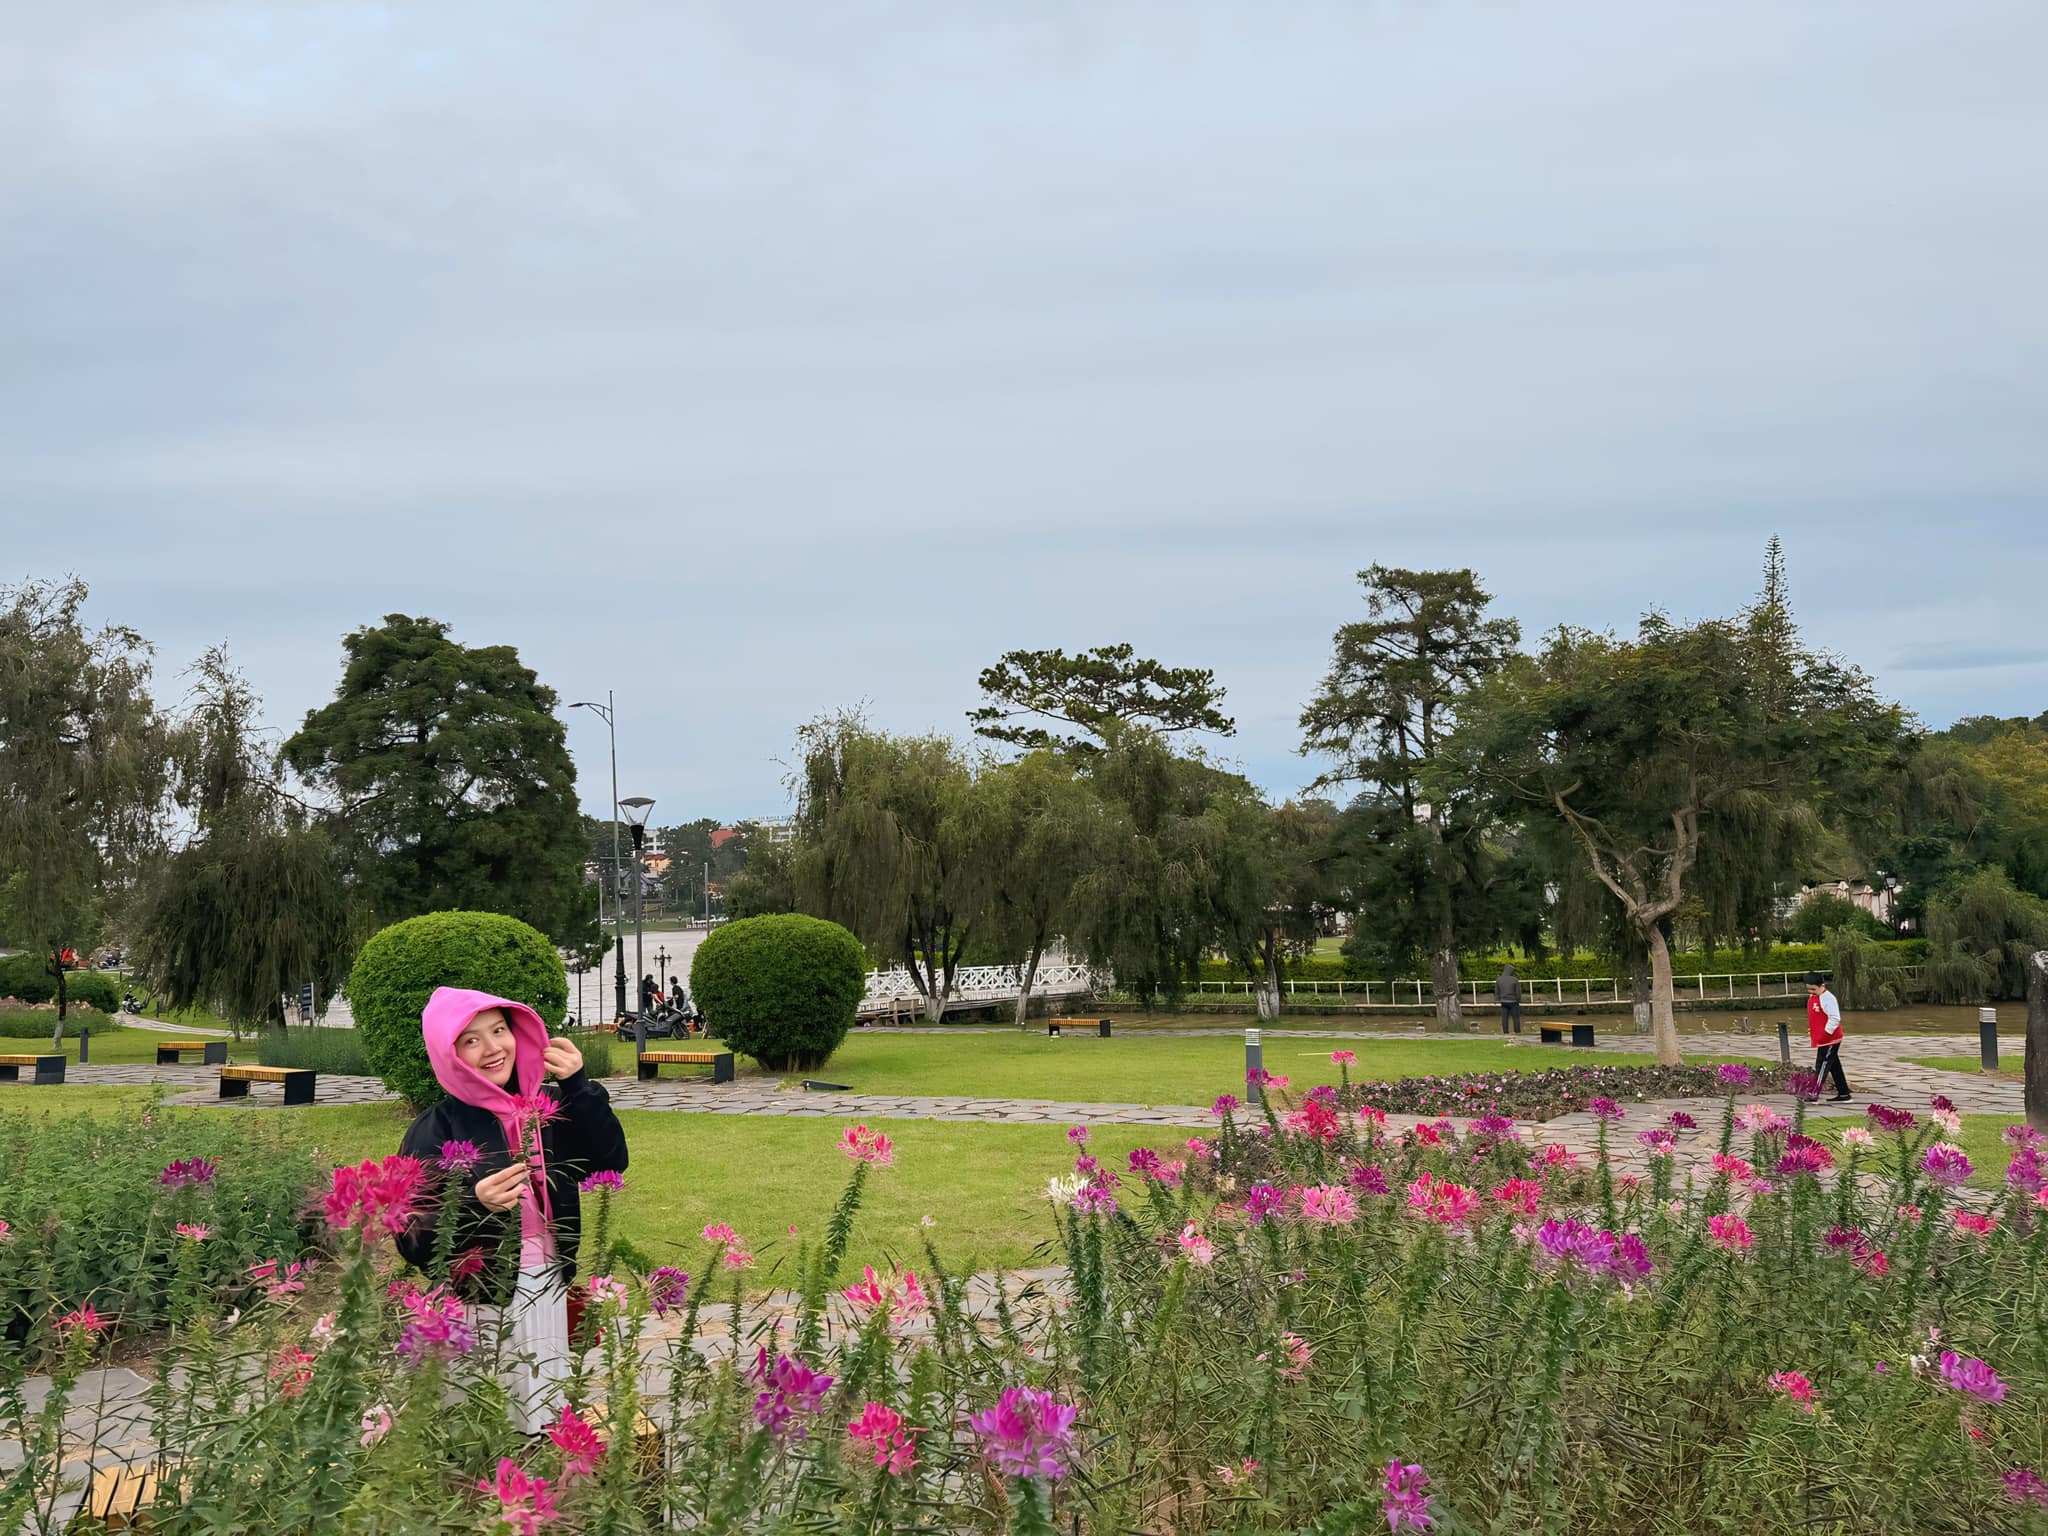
point(1943, 1103)
point(1094, 1199)
point(1735, 1075)
point(186, 1170)
point(1143, 1160)
point(1888, 1119)
point(604, 1178)
point(1027, 1434)
point(1946, 1165)
point(1225, 1103)
point(1971, 1375)
point(789, 1388)
point(1631, 1259)
point(1262, 1201)
point(1493, 1127)
point(1658, 1140)
point(1403, 1501)
point(2024, 1486)
point(667, 1288)
point(1078, 1135)
point(1804, 1086)
point(1367, 1176)
point(1604, 1108)
point(458, 1156)
point(2024, 1171)
point(1679, 1120)
point(1809, 1158)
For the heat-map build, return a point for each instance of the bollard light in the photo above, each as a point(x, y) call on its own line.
point(1254, 1054)
point(1784, 1044)
point(1987, 1039)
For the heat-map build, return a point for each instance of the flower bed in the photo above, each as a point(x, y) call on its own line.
point(1560, 1091)
point(1297, 1322)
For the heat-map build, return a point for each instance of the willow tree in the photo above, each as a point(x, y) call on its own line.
point(1688, 751)
point(251, 906)
point(881, 846)
point(1386, 708)
point(1279, 876)
point(84, 762)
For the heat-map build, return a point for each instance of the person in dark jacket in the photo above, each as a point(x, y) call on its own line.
point(534, 1141)
point(1507, 991)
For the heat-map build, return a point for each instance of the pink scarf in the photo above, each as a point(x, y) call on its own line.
point(447, 1014)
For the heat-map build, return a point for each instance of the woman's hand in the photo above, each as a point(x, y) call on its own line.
point(562, 1059)
point(501, 1191)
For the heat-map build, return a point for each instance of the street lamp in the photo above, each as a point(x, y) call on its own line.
point(636, 808)
point(609, 715)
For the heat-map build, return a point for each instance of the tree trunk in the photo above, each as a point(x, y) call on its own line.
point(1663, 1021)
point(1639, 991)
point(1443, 986)
point(1269, 984)
point(2036, 1090)
point(1030, 973)
point(57, 1034)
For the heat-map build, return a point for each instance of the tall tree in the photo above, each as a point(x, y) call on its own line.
point(1386, 707)
point(1095, 693)
point(451, 780)
point(1685, 746)
point(1030, 827)
point(881, 846)
point(1278, 881)
point(251, 907)
point(84, 766)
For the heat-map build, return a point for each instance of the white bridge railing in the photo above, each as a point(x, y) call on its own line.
point(1723, 985)
point(977, 986)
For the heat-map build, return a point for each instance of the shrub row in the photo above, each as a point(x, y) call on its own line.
point(28, 978)
point(1484, 968)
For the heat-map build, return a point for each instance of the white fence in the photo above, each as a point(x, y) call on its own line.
point(977, 986)
point(1718, 986)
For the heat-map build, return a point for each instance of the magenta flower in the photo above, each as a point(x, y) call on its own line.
point(1946, 1165)
point(1972, 1376)
point(1730, 1232)
point(1943, 1103)
point(1804, 1086)
point(1078, 1135)
point(2024, 1486)
point(1888, 1119)
point(530, 1113)
point(197, 1232)
point(1679, 1120)
point(1094, 1200)
point(880, 1428)
point(579, 1444)
point(667, 1289)
point(1809, 1159)
point(1492, 1128)
point(1604, 1109)
point(604, 1179)
point(436, 1326)
point(1368, 1177)
point(1143, 1160)
point(1344, 1058)
point(1796, 1386)
point(1262, 1200)
point(376, 1197)
point(1734, 1074)
point(1225, 1103)
point(458, 1156)
point(524, 1503)
point(866, 1146)
point(1403, 1501)
point(1027, 1434)
point(1523, 1195)
point(789, 1389)
point(187, 1170)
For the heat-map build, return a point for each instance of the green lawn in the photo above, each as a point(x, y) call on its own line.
point(2009, 1063)
point(1139, 1069)
point(1980, 1143)
point(113, 1046)
point(981, 1184)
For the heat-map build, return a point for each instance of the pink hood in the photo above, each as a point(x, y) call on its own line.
point(447, 1014)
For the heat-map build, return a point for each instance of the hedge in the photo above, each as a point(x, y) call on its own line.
point(399, 968)
point(782, 989)
point(1779, 957)
point(28, 978)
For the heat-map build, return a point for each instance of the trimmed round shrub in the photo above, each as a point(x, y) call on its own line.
point(397, 970)
point(783, 989)
point(29, 978)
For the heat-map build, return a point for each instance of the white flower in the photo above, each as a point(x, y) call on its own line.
point(1060, 1190)
point(325, 1332)
point(1857, 1136)
point(1948, 1120)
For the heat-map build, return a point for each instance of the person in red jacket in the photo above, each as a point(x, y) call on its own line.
point(1824, 1028)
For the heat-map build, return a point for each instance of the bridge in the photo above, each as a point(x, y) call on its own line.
point(891, 994)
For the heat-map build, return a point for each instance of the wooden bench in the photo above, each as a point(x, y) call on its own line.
point(298, 1082)
point(120, 1498)
point(1582, 1034)
point(720, 1063)
point(48, 1069)
point(171, 1053)
point(1100, 1026)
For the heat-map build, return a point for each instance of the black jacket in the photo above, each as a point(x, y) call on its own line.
point(585, 1138)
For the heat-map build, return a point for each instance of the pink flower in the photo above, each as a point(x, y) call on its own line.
point(1442, 1201)
point(436, 1325)
point(1298, 1354)
point(604, 1179)
point(866, 1146)
point(880, 1428)
point(1243, 1472)
point(738, 1258)
point(790, 1391)
point(603, 1288)
point(2024, 1486)
point(1198, 1248)
point(376, 1425)
point(1761, 1120)
point(1199, 1149)
point(1973, 1376)
point(197, 1232)
point(1078, 1135)
point(1795, 1386)
point(293, 1368)
point(1857, 1136)
point(530, 1112)
point(1225, 1103)
point(1403, 1502)
point(1969, 1221)
point(1946, 1165)
point(667, 1288)
point(85, 1320)
point(1522, 1195)
point(376, 1197)
point(1730, 1232)
point(1329, 1205)
point(1604, 1108)
point(187, 1170)
point(1909, 1213)
point(1736, 1168)
point(278, 1287)
point(719, 1232)
point(325, 1330)
point(900, 1294)
point(458, 1156)
point(1027, 1434)
point(524, 1503)
point(579, 1444)
point(1558, 1155)
point(1344, 1058)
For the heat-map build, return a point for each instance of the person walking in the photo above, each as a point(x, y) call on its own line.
point(1824, 1029)
point(1507, 991)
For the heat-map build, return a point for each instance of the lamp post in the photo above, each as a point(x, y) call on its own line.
point(610, 716)
point(661, 967)
point(636, 808)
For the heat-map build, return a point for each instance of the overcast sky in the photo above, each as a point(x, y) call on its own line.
point(753, 360)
